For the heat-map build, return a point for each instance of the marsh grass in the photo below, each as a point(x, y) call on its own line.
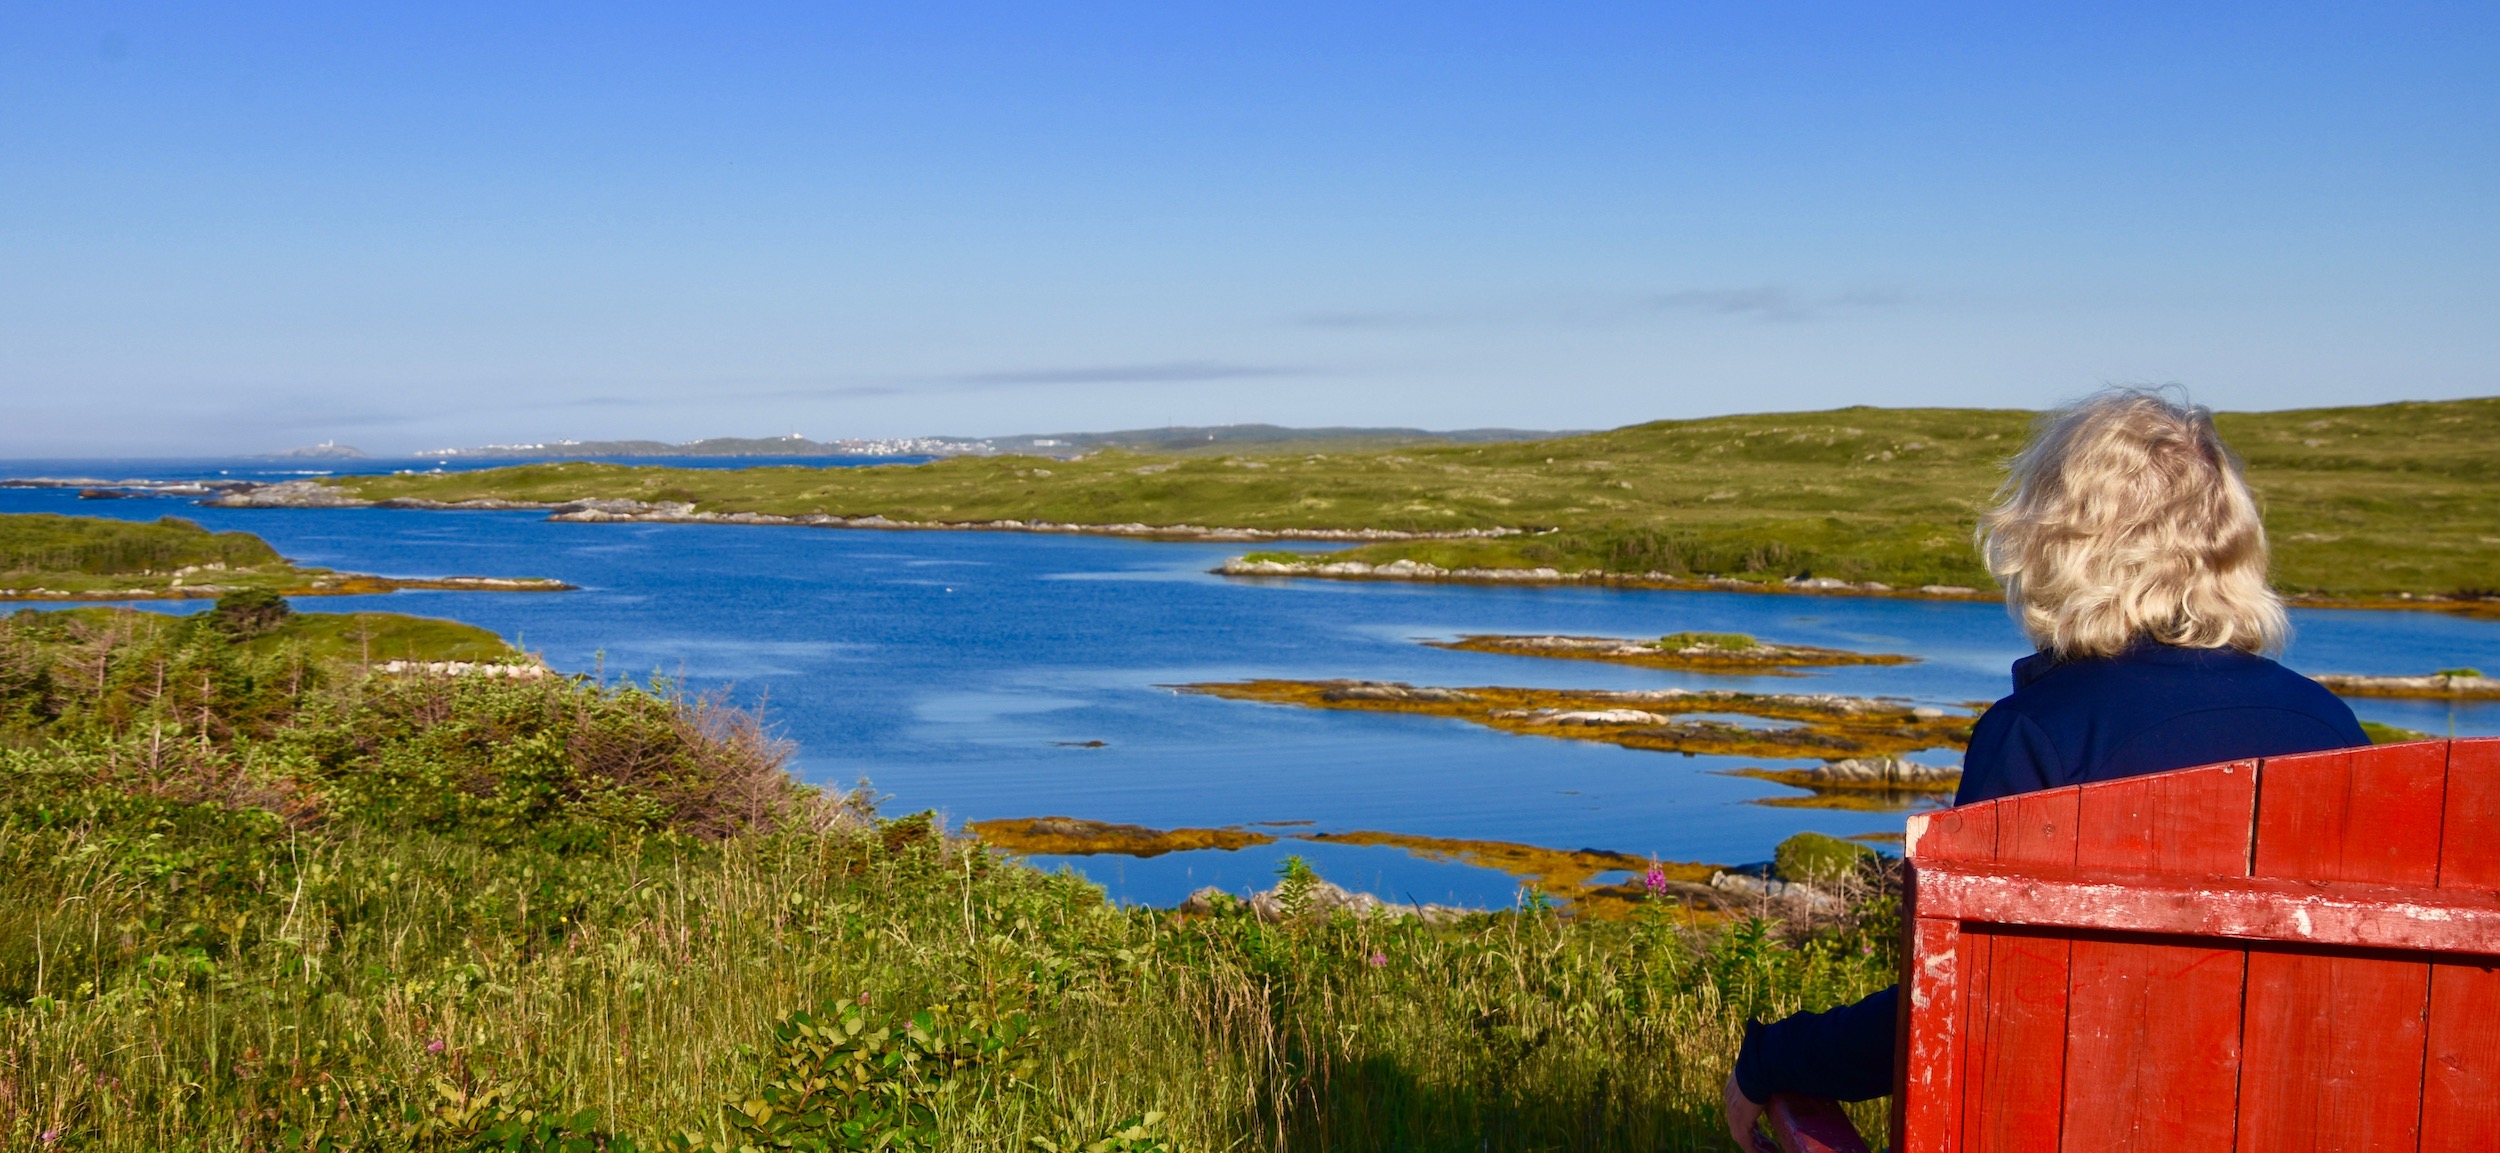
point(305, 907)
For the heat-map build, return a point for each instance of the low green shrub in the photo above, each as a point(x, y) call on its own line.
point(1818, 859)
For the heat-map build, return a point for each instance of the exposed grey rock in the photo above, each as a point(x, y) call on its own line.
point(2435, 685)
point(288, 494)
point(1792, 893)
point(1320, 897)
point(1390, 691)
point(1884, 770)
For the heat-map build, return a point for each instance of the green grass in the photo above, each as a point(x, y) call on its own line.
point(380, 637)
point(2360, 502)
point(324, 637)
point(255, 900)
point(1729, 642)
point(81, 554)
point(2390, 734)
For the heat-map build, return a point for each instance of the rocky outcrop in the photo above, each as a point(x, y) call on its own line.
point(503, 669)
point(1882, 771)
point(288, 494)
point(2460, 684)
point(1393, 691)
point(1792, 894)
point(1318, 898)
point(1405, 569)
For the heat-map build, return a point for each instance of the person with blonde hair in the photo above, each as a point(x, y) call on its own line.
point(2133, 557)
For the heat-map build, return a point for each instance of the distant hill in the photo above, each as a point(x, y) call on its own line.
point(2387, 500)
point(323, 451)
point(792, 445)
point(1265, 438)
point(1254, 438)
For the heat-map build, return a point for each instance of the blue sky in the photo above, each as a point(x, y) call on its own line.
point(239, 228)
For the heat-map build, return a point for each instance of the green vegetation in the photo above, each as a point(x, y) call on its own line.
point(2361, 502)
point(83, 554)
point(1729, 642)
point(1818, 859)
point(44, 543)
point(253, 899)
point(241, 624)
point(2390, 734)
point(48, 557)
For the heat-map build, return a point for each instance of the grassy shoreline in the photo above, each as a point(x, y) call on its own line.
point(254, 895)
point(2383, 506)
point(50, 558)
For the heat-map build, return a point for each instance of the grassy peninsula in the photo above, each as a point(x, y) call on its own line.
point(258, 895)
point(2363, 503)
point(48, 557)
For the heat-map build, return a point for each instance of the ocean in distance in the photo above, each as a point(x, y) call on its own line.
point(967, 671)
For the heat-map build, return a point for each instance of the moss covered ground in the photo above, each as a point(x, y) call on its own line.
point(2362, 502)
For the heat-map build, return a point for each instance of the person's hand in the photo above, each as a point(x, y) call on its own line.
point(1743, 1118)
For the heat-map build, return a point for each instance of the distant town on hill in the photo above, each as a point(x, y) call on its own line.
point(1177, 439)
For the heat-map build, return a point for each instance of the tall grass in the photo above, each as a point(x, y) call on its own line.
point(285, 960)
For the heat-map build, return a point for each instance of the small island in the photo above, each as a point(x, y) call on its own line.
point(1074, 837)
point(2444, 685)
point(47, 557)
point(1686, 651)
point(1590, 880)
point(1861, 784)
point(257, 623)
point(1803, 725)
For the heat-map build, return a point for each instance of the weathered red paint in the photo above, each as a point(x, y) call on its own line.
point(2300, 953)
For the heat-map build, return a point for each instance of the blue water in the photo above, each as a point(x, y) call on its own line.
point(949, 667)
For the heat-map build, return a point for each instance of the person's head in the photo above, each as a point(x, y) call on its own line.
point(2126, 519)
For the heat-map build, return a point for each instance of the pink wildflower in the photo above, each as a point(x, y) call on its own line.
point(49, 1136)
point(434, 1046)
point(1380, 960)
point(863, 996)
point(1655, 880)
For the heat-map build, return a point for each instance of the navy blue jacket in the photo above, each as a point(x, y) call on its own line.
point(2149, 710)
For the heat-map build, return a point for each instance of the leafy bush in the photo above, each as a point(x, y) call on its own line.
point(842, 1081)
point(1817, 859)
point(246, 613)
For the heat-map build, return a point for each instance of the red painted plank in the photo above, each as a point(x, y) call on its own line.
point(2369, 815)
point(2469, 838)
point(2333, 1044)
point(2014, 1054)
point(2461, 1069)
point(2038, 828)
point(1811, 1125)
point(1937, 963)
point(1927, 1094)
point(2332, 1052)
point(1968, 833)
point(2195, 822)
point(2409, 918)
point(2153, 1026)
point(2015, 1065)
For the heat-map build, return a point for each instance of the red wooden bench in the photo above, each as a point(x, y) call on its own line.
point(2301, 953)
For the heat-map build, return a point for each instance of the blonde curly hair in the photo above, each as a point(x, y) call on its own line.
point(2126, 519)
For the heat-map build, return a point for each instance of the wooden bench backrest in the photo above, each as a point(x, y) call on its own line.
point(2299, 953)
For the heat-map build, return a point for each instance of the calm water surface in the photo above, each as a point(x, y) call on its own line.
point(957, 671)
